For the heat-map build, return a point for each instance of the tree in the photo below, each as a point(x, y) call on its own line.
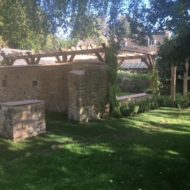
point(82, 17)
point(38, 18)
point(23, 25)
point(174, 16)
point(169, 15)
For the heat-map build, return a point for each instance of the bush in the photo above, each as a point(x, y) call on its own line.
point(132, 108)
point(182, 102)
point(165, 101)
point(129, 109)
point(126, 75)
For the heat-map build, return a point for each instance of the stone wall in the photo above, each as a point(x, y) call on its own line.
point(135, 86)
point(51, 84)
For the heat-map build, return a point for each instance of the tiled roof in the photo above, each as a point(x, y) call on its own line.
point(133, 64)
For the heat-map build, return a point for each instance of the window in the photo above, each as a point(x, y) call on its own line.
point(4, 83)
point(34, 83)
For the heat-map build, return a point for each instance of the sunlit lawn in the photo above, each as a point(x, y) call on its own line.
point(148, 152)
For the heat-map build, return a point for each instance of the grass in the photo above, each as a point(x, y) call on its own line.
point(146, 152)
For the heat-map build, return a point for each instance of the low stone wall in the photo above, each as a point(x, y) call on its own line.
point(133, 98)
point(135, 86)
point(22, 119)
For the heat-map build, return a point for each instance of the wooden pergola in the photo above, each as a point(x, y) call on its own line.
point(62, 56)
point(67, 56)
point(147, 56)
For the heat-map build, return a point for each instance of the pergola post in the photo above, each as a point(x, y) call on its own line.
point(173, 82)
point(185, 80)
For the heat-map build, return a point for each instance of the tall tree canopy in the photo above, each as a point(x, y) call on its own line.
point(23, 23)
point(27, 22)
point(173, 15)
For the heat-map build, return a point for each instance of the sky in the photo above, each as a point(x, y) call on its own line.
point(147, 2)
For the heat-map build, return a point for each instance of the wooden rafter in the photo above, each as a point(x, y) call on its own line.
point(71, 58)
point(148, 59)
point(35, 58)
point(62, 55)
point(100, 58)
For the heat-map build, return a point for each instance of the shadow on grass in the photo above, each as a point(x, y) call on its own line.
point(108, 154)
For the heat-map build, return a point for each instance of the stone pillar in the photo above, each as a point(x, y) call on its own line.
point(173, 82)
point(76, 88)
point(22, 119)
point(87, 93)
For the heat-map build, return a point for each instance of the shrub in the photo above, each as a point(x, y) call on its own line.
point(182, 102)
point(165, 101)
point(126, 75)
point(132, 108)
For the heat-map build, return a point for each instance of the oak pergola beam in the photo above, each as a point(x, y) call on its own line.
point(100, 58)
point(71, 58)
point(64, 58)
point(35, 58)
point(185, 80)
point(139, 50)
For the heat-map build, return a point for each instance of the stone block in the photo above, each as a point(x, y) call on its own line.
point(22, 119)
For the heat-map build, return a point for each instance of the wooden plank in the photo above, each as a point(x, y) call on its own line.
point(55, 54)
point(182, 77)
point(58, 58)
point(121, 62)
point(27, 61)
point(142, 50)
point(11, 61)
point(99, 57)
point(71, 58)
point(146, 61)
point(64, 58)
point(150, 60)
point(185, 80)
point(37, 60)
point(173, 82)
point(131, 57)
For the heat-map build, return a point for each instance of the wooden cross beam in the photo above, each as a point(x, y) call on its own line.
point(173, 82)
point(35, 58)
point(100, 58)
point(30, 60)
point(71, 58)
point(182, 77)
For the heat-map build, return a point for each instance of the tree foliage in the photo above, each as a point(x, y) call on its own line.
point(170, 15)
point(23, 24)
point(26, 24)
point(174, 16)
point(85, 18)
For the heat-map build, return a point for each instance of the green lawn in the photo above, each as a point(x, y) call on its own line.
point(148, 152)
